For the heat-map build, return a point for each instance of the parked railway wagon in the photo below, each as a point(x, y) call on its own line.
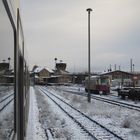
point(98, 84)
point(12, 47)
point(130, 93)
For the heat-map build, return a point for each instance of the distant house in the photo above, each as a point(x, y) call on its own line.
point(41, 74)
point(61, 76)
point(124, 78)
point(4, 66)
point(78, 78)
point(6, 75)
point(4, 69)
point(118, 74)
point(59, 79)
point(60, 69)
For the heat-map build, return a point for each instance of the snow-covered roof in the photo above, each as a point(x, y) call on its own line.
point(110, 72)
point(50, 70)
point(38, 69)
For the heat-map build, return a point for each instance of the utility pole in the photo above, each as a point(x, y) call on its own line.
point(89, 96)
point(131, 65)
point(110, 68)
point(119, 67)
point(115, 67)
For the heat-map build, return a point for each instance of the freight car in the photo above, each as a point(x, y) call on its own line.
point(129, 92)
point(98, 84)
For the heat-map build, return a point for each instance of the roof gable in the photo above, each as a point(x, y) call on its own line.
point(39, 69)
point(117, 71)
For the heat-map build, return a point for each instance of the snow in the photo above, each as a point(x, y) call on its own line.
point(38, 69)
point(45, 115)
point(2, 104)
point(6, 115)
point(124, 122)
point(5, 90)
point(56, 120)
point(6, 122)
point(34, 129)
point(5, 95)
point(113, 95)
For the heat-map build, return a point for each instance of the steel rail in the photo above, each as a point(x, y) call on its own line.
point(83, 128)
point(6, 104)
point(115, 135)
point(6, 98)
point(118, 103)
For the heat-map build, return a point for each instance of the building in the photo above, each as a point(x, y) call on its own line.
point(6, 75)
point(41, 74)
point(4, 66)
point(61, 76)
point(60, 69)
point(124, 78)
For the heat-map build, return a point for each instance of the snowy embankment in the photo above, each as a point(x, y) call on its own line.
point(120, 120)
point(34, 129)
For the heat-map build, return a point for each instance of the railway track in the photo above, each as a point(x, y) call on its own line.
point(110, 101)
point(91, 127)
point(49, 134)
point(5, 93)
point(5, 90)
point(11, 135)
point(6, 101)
point(4, 98)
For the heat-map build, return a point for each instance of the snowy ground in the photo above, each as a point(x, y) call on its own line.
point(7, 115)
point(34, 128)
point(45, 116)
point(5, 90)
point(113, 95)
point(6, 122)
point(57, 123)
point(123, 121)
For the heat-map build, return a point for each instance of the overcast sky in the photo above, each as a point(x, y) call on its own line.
point(58, 28)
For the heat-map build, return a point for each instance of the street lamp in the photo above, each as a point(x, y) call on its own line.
point(89, 96)
point(55, 59)
point(9, 61)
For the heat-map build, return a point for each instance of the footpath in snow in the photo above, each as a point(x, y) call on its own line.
point(34, 129)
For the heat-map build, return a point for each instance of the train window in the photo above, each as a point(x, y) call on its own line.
point(6, 75)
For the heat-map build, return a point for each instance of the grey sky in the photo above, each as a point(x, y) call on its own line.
point(58, 28)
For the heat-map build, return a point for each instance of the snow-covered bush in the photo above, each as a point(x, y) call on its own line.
point(126, 123)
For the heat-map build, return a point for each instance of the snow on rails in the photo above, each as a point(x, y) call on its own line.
point(88, 125)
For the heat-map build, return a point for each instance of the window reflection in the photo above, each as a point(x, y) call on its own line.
point(6, 74)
